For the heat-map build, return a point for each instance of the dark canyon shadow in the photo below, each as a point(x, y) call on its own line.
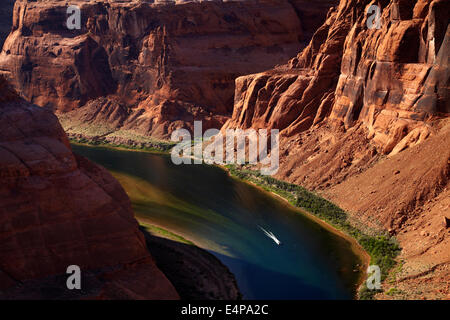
point(224, 215)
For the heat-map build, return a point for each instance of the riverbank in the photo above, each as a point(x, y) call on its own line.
point(381, 248)
point(323, 213)
point(356, 247)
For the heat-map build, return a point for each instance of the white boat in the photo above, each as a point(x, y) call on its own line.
point(270, 235)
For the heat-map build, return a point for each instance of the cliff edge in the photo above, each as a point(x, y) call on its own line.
point(142, 69)
point(364, 119)
point(57, 210)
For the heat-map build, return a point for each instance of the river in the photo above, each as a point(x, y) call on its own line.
point(226, 217)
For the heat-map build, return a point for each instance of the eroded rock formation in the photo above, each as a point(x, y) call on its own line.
point(379, 89)
point(57, 210)
point(149, 68)
point(390, 79)
point(363, 112)
point(363, 115)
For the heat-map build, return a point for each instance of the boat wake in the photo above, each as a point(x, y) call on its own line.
point(270, 235)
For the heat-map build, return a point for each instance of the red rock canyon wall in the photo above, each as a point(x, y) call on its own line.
point(58, 209)
point(150, 68)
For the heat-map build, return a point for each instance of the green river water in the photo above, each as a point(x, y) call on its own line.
point(226, 217)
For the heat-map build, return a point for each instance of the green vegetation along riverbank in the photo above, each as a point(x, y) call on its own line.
point(150, 145)
point(382, 248)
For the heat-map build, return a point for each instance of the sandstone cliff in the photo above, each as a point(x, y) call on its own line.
point(148, 68)
point(391, 80)
point(363, 112)
point(381, 90)
point(363, 115)
point(5, 19)
point(409, 195)
point(58, 209)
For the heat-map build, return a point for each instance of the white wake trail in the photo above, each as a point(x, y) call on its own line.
point(270, 235)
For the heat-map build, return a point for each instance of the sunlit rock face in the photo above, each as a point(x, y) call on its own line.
point(356, 95)
point(58, 209)
point(147, 67)
point(395, 78)
point(364, 121)
point(389, 80)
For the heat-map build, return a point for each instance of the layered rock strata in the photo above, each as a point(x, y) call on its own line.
point(57, 210)
point(147, 68)
point(363, 114)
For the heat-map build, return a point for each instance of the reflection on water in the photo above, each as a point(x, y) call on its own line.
point(224, 216)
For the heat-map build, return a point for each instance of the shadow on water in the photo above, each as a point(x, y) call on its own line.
point(255, 281)
point(195, 273)
point(199, 274)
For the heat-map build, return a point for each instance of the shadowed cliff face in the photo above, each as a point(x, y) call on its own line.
point(356, 94)
point(58, 209)
point(149, 68)
point(6, 12)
